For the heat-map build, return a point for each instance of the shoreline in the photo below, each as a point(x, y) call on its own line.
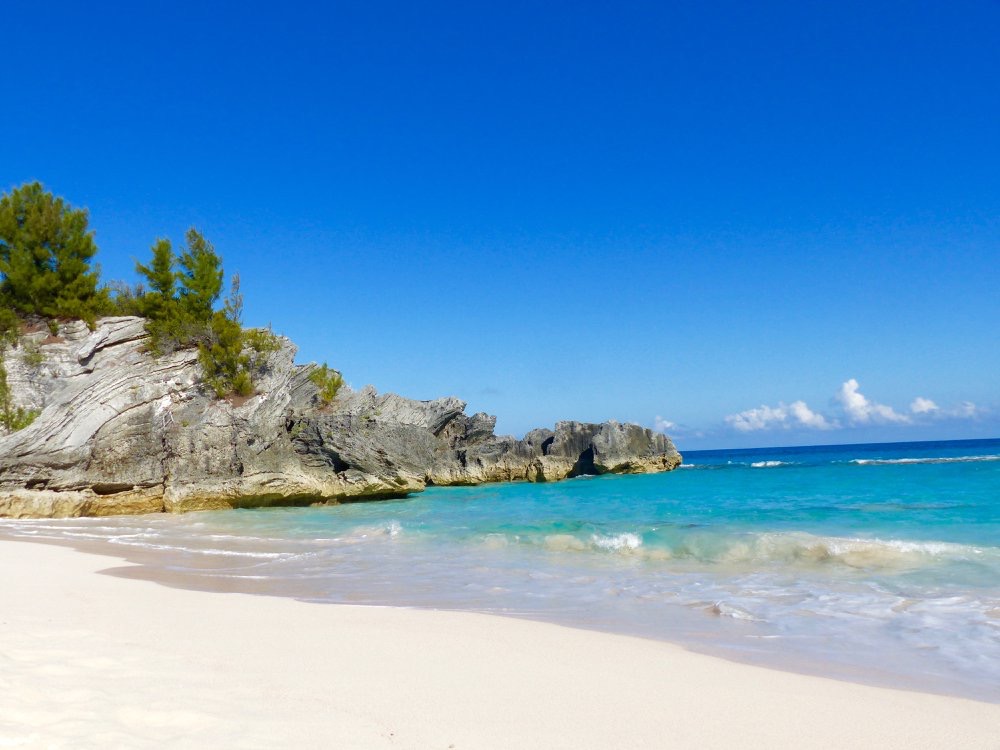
point(153, 566)
point(103, 660)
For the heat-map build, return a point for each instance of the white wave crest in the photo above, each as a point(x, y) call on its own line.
point(617, 542)
point(869, 554)
point(205, 550)
point(769, 464)
point(938, 460)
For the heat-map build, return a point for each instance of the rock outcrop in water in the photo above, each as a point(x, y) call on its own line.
point(120, 431)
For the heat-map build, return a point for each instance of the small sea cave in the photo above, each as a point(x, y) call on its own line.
point(584, 464)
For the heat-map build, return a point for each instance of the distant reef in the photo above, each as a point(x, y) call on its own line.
point(119, 430)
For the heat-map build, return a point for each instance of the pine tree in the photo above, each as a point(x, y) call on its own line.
point(226, 366)
point(161, 276)
point(200, 278)
point(179, 307)
point(159, 304)
point(45, 256)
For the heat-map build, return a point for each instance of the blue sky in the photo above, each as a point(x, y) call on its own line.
point(695, 215)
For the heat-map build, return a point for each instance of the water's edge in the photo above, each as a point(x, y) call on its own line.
point(153, 566)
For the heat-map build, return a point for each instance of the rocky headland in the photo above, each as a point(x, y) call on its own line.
point(121, 431)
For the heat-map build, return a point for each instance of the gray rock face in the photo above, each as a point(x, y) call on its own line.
point(123, 432)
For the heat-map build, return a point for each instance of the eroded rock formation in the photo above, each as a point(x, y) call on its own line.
point(123, 432)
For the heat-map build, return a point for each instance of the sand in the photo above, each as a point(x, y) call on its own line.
point(90, 660)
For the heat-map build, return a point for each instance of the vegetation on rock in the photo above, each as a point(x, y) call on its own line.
point(47, 275)
point(328, 381)
point(12, 418)
point(180, 300)
point(179, 308)
point(45, 257)
point(10, 326)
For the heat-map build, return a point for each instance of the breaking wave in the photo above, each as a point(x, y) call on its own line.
point(940, 460)
point(617, 542)
point(858, 553)
point(760, 550)
point(740, 465)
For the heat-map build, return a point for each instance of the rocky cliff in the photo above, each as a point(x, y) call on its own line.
point(120, 431)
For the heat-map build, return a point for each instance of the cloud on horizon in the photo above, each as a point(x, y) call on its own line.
point(964, 410)
point(782, 416)
point(855, 409)
point(662, 425)
point(674, 429)
point(860, 410)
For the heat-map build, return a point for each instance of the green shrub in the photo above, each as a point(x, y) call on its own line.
point(17, 418)
point(232, 357)
point(328, 381)
point(222, 360)
point(10, 327)
point(12, 418)
point(260, 344)
point(32, 355)
point(125, 298)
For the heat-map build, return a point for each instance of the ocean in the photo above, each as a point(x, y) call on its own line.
point(877, 563)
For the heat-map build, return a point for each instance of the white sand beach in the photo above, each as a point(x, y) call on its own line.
point(89, 660)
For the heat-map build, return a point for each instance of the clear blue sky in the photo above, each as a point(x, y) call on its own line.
point(679, 210)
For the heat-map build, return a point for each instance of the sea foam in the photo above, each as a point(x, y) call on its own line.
point(929, 460)
point(617, 542)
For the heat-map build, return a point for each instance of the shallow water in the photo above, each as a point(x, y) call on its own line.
point(879, 563)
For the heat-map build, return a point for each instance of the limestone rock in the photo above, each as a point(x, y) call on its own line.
point(121, 431)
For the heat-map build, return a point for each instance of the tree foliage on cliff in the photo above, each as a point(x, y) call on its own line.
point(46, 251)
point(179, 307)
point(46, 271)
point(182, 292)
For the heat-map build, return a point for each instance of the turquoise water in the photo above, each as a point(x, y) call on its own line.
point(872, 562)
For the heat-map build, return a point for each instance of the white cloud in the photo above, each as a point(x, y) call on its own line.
point(782, 416)
point(757, 419)
point(860, 410)
point(674, 429)
point(964, 410)
point(662, 425)
point(809, 418)
point(857, 409)
point(923, 405)
point(967, 410)
point(927, 408)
